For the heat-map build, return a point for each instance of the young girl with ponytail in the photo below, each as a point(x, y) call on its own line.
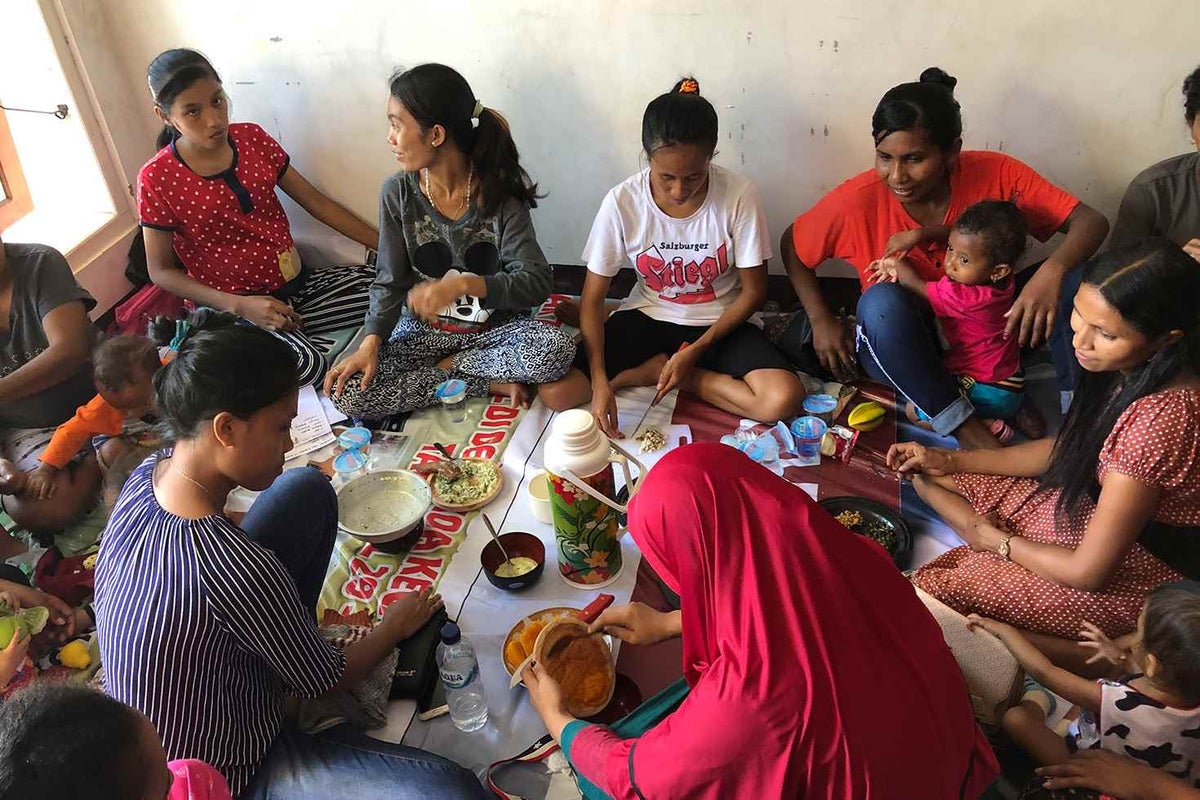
point(209, 195)
point(459, 262)
point(696, 237)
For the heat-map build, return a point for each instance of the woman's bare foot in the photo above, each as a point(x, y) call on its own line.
point(12, 480)
point(567, 312)
point(645, 374)
point(517, 393)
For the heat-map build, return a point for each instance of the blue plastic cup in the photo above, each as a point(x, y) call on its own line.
point(808, 432)
point(821, 406)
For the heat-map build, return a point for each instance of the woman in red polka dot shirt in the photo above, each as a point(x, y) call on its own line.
point(1080, 528)
point(209, 194)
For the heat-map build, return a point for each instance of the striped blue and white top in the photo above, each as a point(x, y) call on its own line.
point(202, 630)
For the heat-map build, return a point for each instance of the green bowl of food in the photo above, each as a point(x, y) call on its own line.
point(474, 484)
point(875, 521)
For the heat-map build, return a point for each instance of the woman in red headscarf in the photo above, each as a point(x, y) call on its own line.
point(814, 670)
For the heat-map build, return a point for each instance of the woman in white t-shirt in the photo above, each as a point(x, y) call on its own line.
point(696, 236)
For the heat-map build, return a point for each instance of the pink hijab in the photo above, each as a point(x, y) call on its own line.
point(815, 671)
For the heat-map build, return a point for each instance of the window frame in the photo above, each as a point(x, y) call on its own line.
point(16, 201)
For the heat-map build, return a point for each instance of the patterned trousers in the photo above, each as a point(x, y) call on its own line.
point(329, 299)
point(516, 350)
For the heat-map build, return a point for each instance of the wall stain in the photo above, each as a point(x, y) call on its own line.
point(276, 39)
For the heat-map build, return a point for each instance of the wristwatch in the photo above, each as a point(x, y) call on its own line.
point(1004, 548)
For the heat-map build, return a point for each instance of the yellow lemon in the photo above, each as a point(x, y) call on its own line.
point(75, 654)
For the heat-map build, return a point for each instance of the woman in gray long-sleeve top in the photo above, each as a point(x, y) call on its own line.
point(459, 263)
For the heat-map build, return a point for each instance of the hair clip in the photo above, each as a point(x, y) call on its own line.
point(689, 86)
point(181, 331)
point(475, 112)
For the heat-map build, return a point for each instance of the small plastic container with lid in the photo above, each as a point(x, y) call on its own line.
point(453, 396)
point(356, 438)
point(808, 432)
point(349, 465)
point(821, 406)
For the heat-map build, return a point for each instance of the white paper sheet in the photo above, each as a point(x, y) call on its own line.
point(310, 429)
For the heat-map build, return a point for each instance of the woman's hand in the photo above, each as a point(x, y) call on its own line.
point(985, 533)
point(604, 409)
point(363, 360)
point(1114, 775)
point(268, 313)
point(62, 616)
point(41, 482)
point(12, 657)
point(428, 298)
point(910, 457)
point(1192, 248)
point(637, 623)
point(677, 368)
point(1031, 317)
point(900, 243)
point(834, 343)
point(409, 612)
point(544, 691)
point(1106, 649)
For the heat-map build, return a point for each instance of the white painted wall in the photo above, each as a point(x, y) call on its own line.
point(1087, 92)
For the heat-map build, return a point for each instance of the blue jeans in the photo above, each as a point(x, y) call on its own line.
point(342, 762)
point(898, 344)
point(296, 518)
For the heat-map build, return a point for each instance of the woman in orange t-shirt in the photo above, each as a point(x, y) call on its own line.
point(921, 182)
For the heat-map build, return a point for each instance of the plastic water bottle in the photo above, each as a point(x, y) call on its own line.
point(460, 675)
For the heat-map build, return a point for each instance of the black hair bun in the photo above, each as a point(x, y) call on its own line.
point(939, 75)
point(687, 85)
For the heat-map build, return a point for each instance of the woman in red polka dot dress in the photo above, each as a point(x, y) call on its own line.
point(1080, 528)
point(209, 195)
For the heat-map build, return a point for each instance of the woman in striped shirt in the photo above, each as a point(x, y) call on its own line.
point(206, 626)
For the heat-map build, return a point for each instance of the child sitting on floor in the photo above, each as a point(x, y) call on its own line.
point(59, 740)
point(971, 303)
point(124, 369)
point(1151, 715)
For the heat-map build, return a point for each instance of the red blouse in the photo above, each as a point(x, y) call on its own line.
point(229, 229)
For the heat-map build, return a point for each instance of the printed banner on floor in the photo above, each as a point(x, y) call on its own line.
point(364, 577)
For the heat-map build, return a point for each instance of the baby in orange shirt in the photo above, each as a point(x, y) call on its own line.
point(123, 370)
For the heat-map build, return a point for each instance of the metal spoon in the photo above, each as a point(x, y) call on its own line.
point(492, 530)
point(452, 468)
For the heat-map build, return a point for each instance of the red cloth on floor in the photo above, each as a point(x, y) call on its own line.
point(815, 671)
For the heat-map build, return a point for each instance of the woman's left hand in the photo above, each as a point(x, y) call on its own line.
point(677, 368)
point(427, 299)
point(544, 692)
point(985, 534)
point(62, 616)
point(1031, 318)
point(1192, 248)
